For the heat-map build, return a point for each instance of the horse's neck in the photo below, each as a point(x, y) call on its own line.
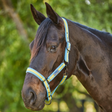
point(86, 42)
point(91, 50)
point(92, 64)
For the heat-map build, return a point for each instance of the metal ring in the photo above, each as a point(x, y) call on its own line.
point(48, 102)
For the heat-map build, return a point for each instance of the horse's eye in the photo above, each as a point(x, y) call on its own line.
point(52, 49)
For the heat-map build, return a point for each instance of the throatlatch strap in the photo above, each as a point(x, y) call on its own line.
point(62, 81)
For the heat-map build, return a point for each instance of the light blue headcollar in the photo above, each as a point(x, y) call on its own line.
point(57, 70)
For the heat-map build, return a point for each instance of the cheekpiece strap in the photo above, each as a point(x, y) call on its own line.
point(56, 72)
point(68, 45)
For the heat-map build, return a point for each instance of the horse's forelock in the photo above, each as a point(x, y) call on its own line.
point(40, 37)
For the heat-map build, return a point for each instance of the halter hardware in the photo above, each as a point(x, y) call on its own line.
point(57, 70)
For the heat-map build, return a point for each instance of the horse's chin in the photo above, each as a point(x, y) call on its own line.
point(36, 107)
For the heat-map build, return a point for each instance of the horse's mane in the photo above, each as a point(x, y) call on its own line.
point(40, 37)
point(104, 36)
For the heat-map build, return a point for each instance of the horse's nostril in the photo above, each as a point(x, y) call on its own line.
point(32, 97)
point(29, 96)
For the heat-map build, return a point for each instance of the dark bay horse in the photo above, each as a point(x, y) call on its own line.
point(90, 59)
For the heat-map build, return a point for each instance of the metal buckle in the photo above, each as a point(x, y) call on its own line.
point(68, 45)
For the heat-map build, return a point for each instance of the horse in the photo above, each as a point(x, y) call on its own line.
point(89, 54)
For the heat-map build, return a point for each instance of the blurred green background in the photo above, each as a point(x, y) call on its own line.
point(18, 29)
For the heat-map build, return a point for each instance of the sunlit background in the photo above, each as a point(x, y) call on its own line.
point(18, 29)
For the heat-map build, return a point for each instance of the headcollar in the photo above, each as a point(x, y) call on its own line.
point(57, 70)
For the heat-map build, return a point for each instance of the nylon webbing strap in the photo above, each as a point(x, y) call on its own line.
point(37, 74)
point(68, 45)
point(62, 81)
point(42, 78)
point(56, 72)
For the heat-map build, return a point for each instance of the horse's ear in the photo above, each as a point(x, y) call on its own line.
point(38, 17)
point(82, 66)
point(53, 15)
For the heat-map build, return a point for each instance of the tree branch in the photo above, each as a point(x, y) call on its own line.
point(7, 4)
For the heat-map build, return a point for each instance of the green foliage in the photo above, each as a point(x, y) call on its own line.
point(15, 53)
point(14, 57)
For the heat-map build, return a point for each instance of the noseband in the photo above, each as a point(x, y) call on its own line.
point(57, 70)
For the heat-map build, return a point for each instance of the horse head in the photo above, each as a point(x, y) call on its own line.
point(47, 53)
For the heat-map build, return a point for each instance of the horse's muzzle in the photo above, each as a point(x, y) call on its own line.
point(32, 100)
